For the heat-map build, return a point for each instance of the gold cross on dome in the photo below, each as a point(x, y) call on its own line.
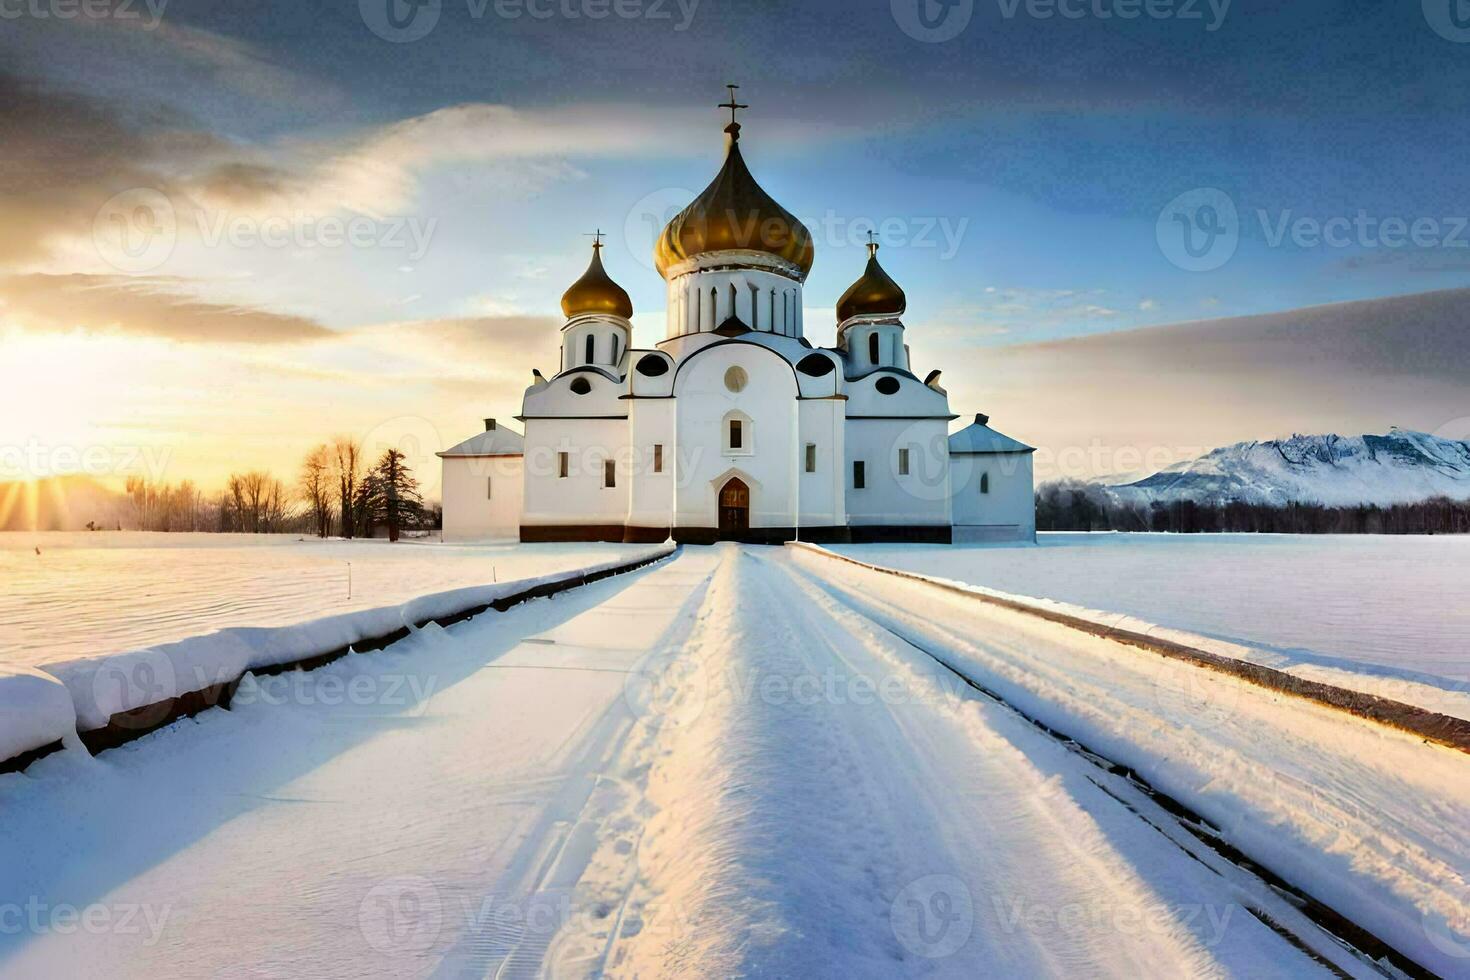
point(732, 105)
point(596, 237)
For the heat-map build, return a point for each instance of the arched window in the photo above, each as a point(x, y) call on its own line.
point(714, 308)
point(615, 350)
point(873, 348)
point(590, 349)
point(693, 324)
point(755, 309)
point(737, 434)
point(984, 482)
point(733, 306)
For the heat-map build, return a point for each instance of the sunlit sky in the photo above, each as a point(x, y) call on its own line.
point(234, 230)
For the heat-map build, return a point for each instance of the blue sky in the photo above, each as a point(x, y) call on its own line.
point(1023, 175)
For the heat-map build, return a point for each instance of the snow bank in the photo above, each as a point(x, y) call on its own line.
point(34, 711)
point(104, 686)
point(1366, 819)
point(1343, 674)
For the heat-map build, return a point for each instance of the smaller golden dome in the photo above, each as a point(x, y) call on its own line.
point(595, 292)
point(875, 294)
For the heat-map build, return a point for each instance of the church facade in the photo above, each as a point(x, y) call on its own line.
point(734, 426)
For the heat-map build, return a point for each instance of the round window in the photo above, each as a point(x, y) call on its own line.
point(652, 366)
point(887, 386)
point(736, 379)
point(580, 386)
point(815, 365)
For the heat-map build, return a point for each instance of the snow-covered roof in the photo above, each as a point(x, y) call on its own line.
point(979, 437)
point(496, 440)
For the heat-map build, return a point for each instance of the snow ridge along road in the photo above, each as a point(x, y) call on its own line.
point(724, 764)
point(1368, 820)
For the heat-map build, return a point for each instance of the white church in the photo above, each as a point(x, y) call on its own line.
point(734, 427)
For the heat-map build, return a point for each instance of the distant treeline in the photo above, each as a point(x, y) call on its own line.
point(1083, 507)
point(336, 492)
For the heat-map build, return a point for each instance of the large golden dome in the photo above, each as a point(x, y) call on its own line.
point(734, 212)
point(875, 294)
point(595, 292)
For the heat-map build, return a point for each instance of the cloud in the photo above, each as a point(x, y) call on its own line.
point(143, 307)
point(1018, 310)
point(1169, 392)
point(65, 156)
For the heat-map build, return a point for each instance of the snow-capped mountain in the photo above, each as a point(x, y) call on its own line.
point(1400, 467)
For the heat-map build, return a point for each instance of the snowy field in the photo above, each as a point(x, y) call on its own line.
point(87, 594)
point(731, 764)
point(1392, 608)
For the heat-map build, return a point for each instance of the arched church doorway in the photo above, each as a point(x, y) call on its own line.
point(734, 510)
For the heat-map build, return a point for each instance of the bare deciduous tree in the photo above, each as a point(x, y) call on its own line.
point(347, 468)
point(315, 487)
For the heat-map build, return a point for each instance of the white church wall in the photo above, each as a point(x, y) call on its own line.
point(767, 460)
point(559, 397)
point(889, 496)
point(1005, 510)
point(699, 302)
point(911, 397)
point(892, 352)
point(483, 497)
point(644, 375)
point(580, 497)
point(610, 340)
point(822, 500)
point(653, 449)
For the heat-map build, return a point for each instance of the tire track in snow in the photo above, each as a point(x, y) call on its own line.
point(939, 639)
point(791, 831)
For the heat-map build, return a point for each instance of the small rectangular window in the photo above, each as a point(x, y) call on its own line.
point(489, 488)
point(561, 465)
point(859, 475)
point(984, 482)
point(903, 462)
point(609, 473)
point(737, 434)
point(658, 458)
point(811, 457)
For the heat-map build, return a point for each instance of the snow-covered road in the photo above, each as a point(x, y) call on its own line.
point(725, 764)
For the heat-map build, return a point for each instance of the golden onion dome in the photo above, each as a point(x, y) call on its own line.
point(734, 212)
point(595, 292)
point(874, 294)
